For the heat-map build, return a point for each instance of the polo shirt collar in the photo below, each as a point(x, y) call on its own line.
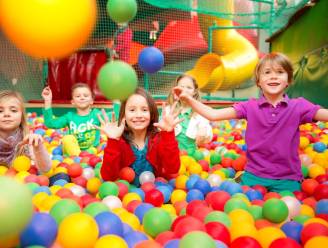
point(263, 101)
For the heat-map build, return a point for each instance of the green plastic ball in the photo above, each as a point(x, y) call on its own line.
point(156, 221)
point(63, 208)
point(121, 11)
point(275, 210)
point(197, 239)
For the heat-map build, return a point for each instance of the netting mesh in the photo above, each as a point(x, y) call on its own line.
point(169, 25)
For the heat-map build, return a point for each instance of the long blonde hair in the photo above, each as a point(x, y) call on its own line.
point(5, 94)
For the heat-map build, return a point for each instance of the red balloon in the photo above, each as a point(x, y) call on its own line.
point(43, 180)
point(127, 173)
point(270, 195)
point(94, 160)
point(245, 242)
point(122, 189)
point(147, 186)
point(218, 231)
point(188, 224)
point(194, 206)
point(132, 205)
point(313, 229)
point(260, 188)
point(310, 201)
point(80, 181)
point(201, 213)
point(164, 237)
point(309, 185)
point(74, 170)
point(154, 197)
point(285, 243)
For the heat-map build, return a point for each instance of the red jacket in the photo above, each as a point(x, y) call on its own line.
point(162, 154)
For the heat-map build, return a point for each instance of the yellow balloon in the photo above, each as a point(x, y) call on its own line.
point(45, 29)
point(243, 229)
point(22, 163)
point(267, 235)
point(317, 242)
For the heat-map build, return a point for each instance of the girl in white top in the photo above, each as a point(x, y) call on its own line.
point(195, 129)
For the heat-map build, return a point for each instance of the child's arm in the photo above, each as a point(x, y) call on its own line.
point(47, 97)
point(321, 115)
point(204, 110)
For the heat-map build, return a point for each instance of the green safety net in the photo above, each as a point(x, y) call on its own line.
point(162, 23)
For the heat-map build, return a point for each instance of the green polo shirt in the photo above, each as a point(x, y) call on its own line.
point(185, 143)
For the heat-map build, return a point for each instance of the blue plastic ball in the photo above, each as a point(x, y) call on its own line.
point(166, 191)
point(194, 194)
point(202, 185)
point(132, 238)
point(293, 229)
point(319, 147)
point(173, 243)
point(322, 207)
point(109, 223)
point(42, 230)
point(151, 59)
point(141, 210)
point(253, 194)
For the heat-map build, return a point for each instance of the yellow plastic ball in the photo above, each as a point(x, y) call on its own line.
point(3, 170)
point(22, 163)
point(195, 168)
point(240, 215)
point(304, 142)
point(267, 235)
point(317, 242)
point(180, 182)
point(113, 241)
point(48, 202)
point(20, 176)
point(316, 170)
point(243, 229)
point(38, 198)
point(316, 220)
point(131, 220)
point(178, 195)
point(78, 230)
point(130, 197)
point(169, 208)
point(45, 29)
point(306, 210)
point(93, 185)
point(54, 189)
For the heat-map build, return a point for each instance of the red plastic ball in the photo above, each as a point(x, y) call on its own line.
point(127, 174)
point(312, 230)
point(217, 199)
point(245, 242)
point(309, 185)
point(147, 186)
point(74, 170)
point(43, 180)
point(260, 188)
point(164, 237)
point(80, 181)
point(194, 206)
point(218, 231)
point(285, 243)
point(321, 192)
point(201, 213)
point(122, 189)
point(188, 224)
point(154, 197)
point(94, 160)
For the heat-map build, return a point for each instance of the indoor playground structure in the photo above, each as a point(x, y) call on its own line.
point(115, 46)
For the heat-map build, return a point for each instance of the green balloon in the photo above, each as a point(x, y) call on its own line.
point(117, 80)
point(63, 208)
point(275, 210)
point(305, 171)
point(286, 193)
point(301, 218)
point(218, 216)
point(215, 158)
point(122, 10)
point(16, 208)
point(234, 203)
point(198, 155)
point(197, 239)
point(155, 221)
point(95, 208)
point(108, 188)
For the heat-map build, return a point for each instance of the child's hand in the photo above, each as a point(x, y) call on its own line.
point(169, 120)
point(202, 137)
point(47, 94)
point(32, 139)
point(110, 128)
point(179, 93)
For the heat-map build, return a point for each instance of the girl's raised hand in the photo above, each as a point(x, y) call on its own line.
point(110, 128)
point(169, 118)
point(179, 93)
point(47, 94)
point(32, 139)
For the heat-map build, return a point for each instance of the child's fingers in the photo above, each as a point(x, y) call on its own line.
point(122, 123)
point(96, 127)
point(102, 122)
point(105, 115)
point(163, 109)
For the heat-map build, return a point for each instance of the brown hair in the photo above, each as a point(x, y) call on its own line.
point(151, 129)
point(275, 58)
point(82, 85)
point(5, 94)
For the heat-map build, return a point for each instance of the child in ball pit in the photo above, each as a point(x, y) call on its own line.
point(194, 129)
point(272, 134)
point(15, 138)
point(139, 141)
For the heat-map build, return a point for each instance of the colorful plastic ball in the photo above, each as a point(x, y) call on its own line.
point(319, 147)
point(197, 239)
point(165, 237)
point(155, 221)
point(178, 195)
point(117, 80)
point(214, 180)
point(187, 224)
point(95, 208)
point(63, 208)
point(194, 194)
point(78, 230)
point(88, 173)
point(235, 203)
point(217, 199)
point(285, 242)
point(93, 185)
point(150, 59)
point(109, 223)
point(122, 11)
point(245, 242)
point(16, 207)
point(309, 185)
point(154, 197)
point(110, 241)
point(142, 209)
point(174, 243)
point(312, 230)
point(294, 206)
point(130, 219)
point(46, 33)
point(316, 170)
point(218, 231)
point(322, 207)
point(203, 186)
point(127, 173)
point(21, 163)
point(108, 188)
point(112, 202)
point(292, 229)
point(148, 244)
point(131, 196)
point(267, 235)
point(275, 210)
point(146, 177)
point(42, 230)
point(316, 242)
point(132, 238)
point(166, 191)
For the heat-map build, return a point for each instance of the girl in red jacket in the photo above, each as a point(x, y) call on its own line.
point(139, 141)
